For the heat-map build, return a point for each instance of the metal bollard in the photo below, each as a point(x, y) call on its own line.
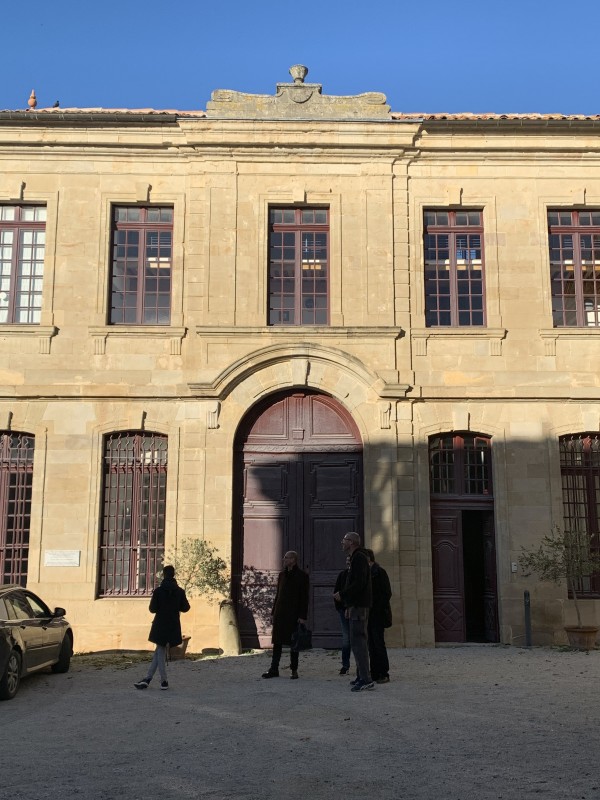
point(527, 604)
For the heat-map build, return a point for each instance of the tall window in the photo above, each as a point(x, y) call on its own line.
point(299, 266)
point(454, 275)
point(575, 268)
point(142, 245)
point(22, 244)
point(132, 536)
point(16, 475)
point(580, 471)
point(460, 464)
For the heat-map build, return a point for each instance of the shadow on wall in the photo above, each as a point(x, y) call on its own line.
point(482, 499)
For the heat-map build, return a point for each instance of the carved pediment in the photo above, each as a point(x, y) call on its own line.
point(297, 100)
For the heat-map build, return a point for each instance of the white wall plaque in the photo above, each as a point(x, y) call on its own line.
point(62, 558)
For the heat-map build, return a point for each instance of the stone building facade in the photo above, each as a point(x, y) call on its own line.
point(286, 317)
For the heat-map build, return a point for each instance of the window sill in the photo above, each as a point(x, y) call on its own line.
point(494, 336)
point(43, 332)
point(550, 335)
point(101, 333)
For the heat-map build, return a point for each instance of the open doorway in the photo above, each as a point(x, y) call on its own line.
point(474, 569)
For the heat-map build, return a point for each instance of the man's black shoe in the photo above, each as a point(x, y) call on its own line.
point(272, 673)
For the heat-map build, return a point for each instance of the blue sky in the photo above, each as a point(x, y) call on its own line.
point(452, 56)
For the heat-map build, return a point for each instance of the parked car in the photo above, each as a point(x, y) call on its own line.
point(31, 638)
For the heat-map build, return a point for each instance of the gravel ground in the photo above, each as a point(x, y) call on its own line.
point(459, 723)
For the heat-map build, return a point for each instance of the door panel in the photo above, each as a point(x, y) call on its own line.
point(448, 591)
point(266, 537)
point(31, 630)
point(490, 592)
point(332, 509)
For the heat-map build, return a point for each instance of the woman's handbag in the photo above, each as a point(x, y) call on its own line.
point(301, 638)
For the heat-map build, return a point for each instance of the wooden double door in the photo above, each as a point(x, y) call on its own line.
point(465, 601)
point(298, 487)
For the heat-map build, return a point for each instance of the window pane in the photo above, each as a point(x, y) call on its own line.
point(298, 266)
point(143, 253)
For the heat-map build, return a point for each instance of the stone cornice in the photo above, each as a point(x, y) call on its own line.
point(297, 333)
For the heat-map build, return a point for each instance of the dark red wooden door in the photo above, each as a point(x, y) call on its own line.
point(294, 493)
point(447, 568)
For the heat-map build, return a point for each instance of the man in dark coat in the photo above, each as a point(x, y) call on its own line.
point(289, 609)
point(380, 618)
point(357, 598)
point(344, 621)
point(167, 602)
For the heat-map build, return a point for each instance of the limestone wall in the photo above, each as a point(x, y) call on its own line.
point(74, 377)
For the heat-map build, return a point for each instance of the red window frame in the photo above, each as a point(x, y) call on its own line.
point(22, 269)
point(142, 254)
point(132, 529)
point(454, 268)
point(580, 475)
point(16, 481)
point(574, 243)
point(298, 266)
point(460, 464)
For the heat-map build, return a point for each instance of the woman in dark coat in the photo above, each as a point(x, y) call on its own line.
point(289, 609)
point(167, 602)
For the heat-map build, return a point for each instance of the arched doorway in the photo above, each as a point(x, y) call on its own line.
point(465, 601)
point(297, 486)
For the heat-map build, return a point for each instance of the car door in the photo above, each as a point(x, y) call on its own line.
point(29, 628)
point(53, 628)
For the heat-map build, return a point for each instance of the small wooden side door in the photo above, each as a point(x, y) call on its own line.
point(447, 570)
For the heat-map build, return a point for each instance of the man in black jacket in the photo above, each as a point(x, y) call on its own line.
point(380, 618)
point(357, 598)
point(289, 609)
point(167, 601)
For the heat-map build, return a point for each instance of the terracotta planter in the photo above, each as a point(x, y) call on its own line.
point(583, 638)
point(177, 653)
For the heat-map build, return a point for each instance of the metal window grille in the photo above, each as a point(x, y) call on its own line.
point(299, 266)
point(142, 251)
point(460, 464)
point(574, 239)
point(454, 269)
point(22, 248)
point(580, 473)
point(132, 537)
point(16, 477)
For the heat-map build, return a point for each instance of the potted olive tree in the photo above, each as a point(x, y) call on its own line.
point(566, 555)
point(200, 571)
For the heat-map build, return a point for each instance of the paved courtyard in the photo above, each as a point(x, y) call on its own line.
point(460, 723)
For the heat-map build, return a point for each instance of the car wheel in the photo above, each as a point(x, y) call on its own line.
point(9, 683)
point(64, 657)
